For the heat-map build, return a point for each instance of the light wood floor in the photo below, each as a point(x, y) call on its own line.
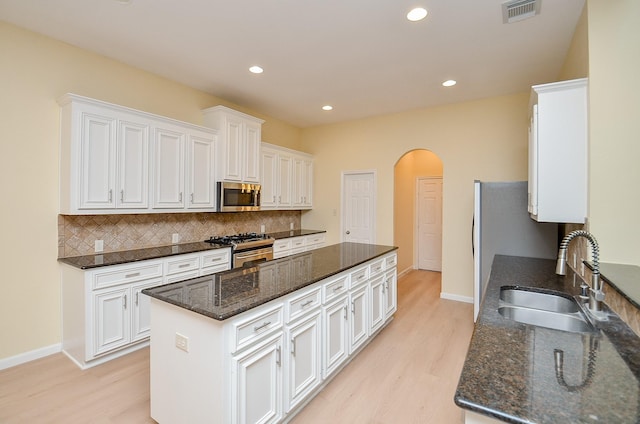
point(407, 374)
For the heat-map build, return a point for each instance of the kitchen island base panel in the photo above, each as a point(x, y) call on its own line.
point(186, 386)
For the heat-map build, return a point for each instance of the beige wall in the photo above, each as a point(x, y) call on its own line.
point(576, 63)
point(35, 71)
point(614, 98)
point(414, 164)
point(484, 140)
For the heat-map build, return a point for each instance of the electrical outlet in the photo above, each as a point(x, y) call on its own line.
point(291, 225)
point(175, 238)
point(99, 246)
point(182, 342)
point(262, 228)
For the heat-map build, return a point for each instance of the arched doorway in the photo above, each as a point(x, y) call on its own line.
point(410, 172)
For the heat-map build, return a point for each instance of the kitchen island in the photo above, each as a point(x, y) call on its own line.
point(513, 372)
point(255, 344)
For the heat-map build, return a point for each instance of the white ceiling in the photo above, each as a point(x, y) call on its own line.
point(361, 56)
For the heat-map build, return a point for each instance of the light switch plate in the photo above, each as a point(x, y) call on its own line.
point(182, 342)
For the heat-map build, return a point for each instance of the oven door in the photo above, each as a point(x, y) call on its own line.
point(247, 258)
point(236, 197)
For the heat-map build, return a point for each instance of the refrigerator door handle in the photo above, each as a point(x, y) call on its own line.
point(473, 237)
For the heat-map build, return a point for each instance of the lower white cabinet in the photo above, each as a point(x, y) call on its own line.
point(262, 365)
point(257, 386)
point(104, 313)
point(293, 245)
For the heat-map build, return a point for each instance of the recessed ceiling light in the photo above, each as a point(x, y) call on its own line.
point(417, 14)
point(256, 70)
point(327, 107)
point(124, 1)
point(449, 83)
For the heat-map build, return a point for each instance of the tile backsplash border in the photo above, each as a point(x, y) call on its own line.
point(77, 234)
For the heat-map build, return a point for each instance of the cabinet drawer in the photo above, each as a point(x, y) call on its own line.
point(183, 264)
point(376, 267)
point(126, 274)
point(359, 276)
point(335, 288)
point(297, 243)
point(315, 239)
point(213, 259)
point(256, 326)
point(299, 305)
point(281, 245)
point(391, 261)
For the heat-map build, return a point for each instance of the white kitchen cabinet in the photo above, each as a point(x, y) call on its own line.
point(104, 313)
point(359, 318)
point(256, 395)
point(287, 178)
point(304, 364)
point(239, 144)
point(558, 143)
point(302, 182)
point(335, 337)
point(390, 291)
point(292, 245)
point(119, 160)
point(377, 303)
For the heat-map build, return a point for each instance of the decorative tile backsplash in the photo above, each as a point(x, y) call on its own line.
point(77, 233)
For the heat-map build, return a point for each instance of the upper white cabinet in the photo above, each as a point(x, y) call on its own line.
point(118, 160)
point(558, 140)
point(239, 146)
point(287, 178)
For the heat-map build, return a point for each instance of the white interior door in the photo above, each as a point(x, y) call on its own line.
point(359, 207)
point(429, 222)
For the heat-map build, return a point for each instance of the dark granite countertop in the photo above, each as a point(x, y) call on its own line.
point(116, 258)
point(294, 233)
point(510, 372)
point(228, 293)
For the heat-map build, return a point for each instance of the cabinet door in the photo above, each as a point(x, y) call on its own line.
point(335, 335)
point(377, 304)
point(133, 165)
point(234, 150)
point(297, 183)
point(257, 384)
point(140, 310)
point(307, 183)
point(391, 293)
point(200, 172)
point(252, 152)
point(304, 362)
point(97, 176)
point(111, 319)
point(269, 169)
point(168, 169)
point(359, 318)
point(285, 164)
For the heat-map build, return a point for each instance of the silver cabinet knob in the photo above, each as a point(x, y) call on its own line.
point(348, 232)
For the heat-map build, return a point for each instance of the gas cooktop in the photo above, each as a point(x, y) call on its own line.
point(243, 240)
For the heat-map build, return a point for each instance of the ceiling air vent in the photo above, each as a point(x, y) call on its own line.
point(517, 10)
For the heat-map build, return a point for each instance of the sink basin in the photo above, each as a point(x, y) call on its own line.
point(543, 308)
point(574, 322)
point(539, 299)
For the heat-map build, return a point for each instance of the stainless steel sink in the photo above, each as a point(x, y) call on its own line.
point(543, 308)
point(546, 301)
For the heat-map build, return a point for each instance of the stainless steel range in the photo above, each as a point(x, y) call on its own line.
point(247, 248)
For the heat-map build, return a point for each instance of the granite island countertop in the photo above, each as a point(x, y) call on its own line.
point(228, 293)
point(294, 233)
point(511, 374)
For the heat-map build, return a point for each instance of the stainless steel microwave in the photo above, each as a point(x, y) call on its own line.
point(237, 197)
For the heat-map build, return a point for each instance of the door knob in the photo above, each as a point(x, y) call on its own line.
point(348, 232)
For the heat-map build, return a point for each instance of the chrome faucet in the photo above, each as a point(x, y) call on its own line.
point(596, 295)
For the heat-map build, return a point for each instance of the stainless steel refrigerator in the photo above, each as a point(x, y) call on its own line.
point(502, 225)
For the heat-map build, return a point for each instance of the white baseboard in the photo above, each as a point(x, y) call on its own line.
point(456, 297)
point(405, 272)
point(12, 361)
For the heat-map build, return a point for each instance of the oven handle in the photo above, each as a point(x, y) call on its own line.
point(250, 253)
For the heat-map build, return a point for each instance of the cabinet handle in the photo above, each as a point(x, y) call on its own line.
point(137, 293)
point(180, 197)
point(335, 289)
point(384, 287)
point(260, 327)
point(344, 308)
point(121, 196)
point(353, 306)
point(183, 265)
point(124, 301)
point(279, 199)
point(133, 274)
point(307, 303)
point(215, 259)
point(191, 197)
point(293, 347)
point(110, 195)
point(278, 356)
point(274, 199)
